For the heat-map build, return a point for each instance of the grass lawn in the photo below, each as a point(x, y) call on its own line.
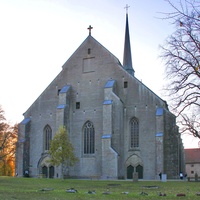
point(55, 189)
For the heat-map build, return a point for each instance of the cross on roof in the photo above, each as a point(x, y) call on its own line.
point(90, 28)
point(127, 8)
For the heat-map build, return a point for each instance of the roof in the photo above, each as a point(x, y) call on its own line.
point(192, 155)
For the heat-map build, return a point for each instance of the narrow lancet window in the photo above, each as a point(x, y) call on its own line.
point(89, 138)
point(47, 137)
point(134, 133)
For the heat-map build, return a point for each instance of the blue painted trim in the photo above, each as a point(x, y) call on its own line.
point(106, 136)
point(107, 102)
point(109, 84)
point(25, 121)
point(65, 89)
point(159, 111)
point(159, 134)
point(21, 140)
point(61, 106)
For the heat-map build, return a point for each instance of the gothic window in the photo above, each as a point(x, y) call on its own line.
point(134, 133)
point(47, 137)
point(88, 134)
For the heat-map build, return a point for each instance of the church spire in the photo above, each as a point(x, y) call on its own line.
point(127, 61)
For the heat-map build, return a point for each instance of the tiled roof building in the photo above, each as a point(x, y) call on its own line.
point(192, 161)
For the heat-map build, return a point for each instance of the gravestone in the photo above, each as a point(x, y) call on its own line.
point(164, 177)
point(135, 176)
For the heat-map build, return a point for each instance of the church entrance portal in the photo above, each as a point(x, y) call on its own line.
point(134, 164)
point(51, 172)
point(48, 172)
point(131, 169)
point(44, 171)
point(139, 170)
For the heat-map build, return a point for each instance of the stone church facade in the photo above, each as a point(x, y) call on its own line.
point(116, 124)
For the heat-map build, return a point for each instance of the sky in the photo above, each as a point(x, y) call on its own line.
point(38, 36)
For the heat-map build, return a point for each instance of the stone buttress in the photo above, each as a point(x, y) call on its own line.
point(111, 105)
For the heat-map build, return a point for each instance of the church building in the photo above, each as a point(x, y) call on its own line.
point(116, 124)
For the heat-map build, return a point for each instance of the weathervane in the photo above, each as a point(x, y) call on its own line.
point(127, 8)
point(90, 28)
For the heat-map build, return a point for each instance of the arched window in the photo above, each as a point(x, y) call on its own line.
point(134, 133)
point(88, 134)
point(47, 137)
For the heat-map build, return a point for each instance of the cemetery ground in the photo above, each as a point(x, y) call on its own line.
point(56, 189)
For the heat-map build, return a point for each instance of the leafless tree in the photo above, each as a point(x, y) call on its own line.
point(2, 119)
point(181, 55)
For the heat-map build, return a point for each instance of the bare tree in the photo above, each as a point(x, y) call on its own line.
point(2, 119)
point(181, 54)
